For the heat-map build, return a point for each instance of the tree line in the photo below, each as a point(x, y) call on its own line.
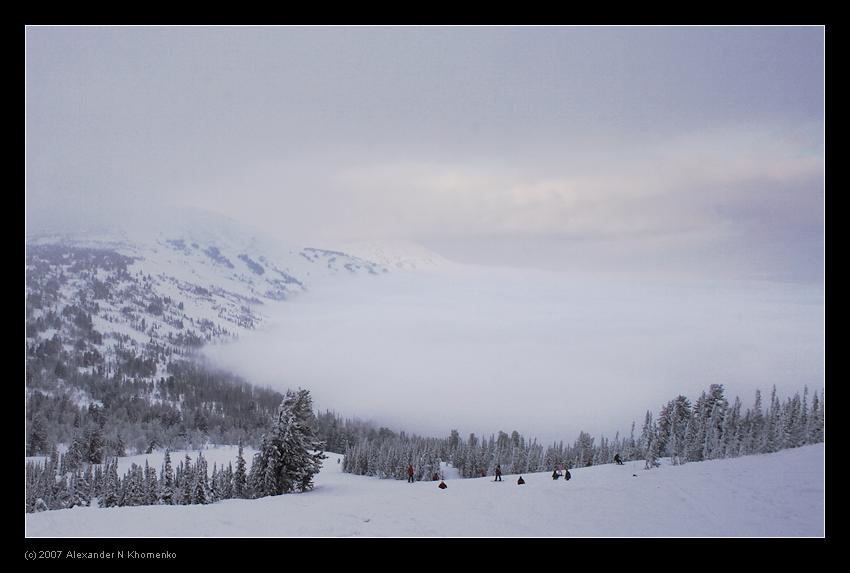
point(710, 428)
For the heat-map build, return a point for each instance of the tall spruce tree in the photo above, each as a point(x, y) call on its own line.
point(95, 445)
point(201, 488)
point(151, 485)
point(166, 490)
point(240, 483)
point(815, 433)
point(109, 496)
point(292, 453)
point(187, 482)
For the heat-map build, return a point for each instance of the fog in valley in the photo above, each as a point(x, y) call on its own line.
point(545, 353)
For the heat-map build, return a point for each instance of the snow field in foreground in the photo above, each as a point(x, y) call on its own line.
point(780, 494)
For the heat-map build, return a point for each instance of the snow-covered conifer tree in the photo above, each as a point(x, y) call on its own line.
point(166, 490)
point(271, 467)
point(200, 489)
point(227, 482)
point(37, 437)
point(255, 477)
point(86, 486)
point(187, 480)
point(755, 433)
point(240, 477)
point(95, 445)
point(151, 486)
point(292, 453)
point(110, 485)
point(815, 421)
point(804, 417)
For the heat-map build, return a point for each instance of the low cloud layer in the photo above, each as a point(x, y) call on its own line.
point(547, 354)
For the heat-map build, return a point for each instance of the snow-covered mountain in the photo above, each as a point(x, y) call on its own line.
point(401, 255)
point(188, 276)
point(196, 277)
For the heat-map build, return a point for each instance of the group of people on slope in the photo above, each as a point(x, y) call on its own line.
point(560, 471)
point(557, 473)
point(411, 472)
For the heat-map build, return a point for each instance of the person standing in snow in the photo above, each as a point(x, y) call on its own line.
point(498, 473)
point(567, 475)
point(617, 459)
point(409, 473)
point(555, 474)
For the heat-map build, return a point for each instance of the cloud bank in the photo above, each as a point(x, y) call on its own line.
point(548, 354)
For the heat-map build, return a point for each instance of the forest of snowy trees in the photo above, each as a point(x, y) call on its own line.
point(710, 428)
point(291, 455)
point(192, 406)
point(291, 451)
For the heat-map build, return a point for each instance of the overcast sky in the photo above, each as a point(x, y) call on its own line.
point(645, 149)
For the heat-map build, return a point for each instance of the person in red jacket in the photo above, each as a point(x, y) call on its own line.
point(409, 473)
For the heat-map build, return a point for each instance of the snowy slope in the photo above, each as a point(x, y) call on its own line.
point(400, 255)
point(182, 280)
point(779, 494)
point(223, 271)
